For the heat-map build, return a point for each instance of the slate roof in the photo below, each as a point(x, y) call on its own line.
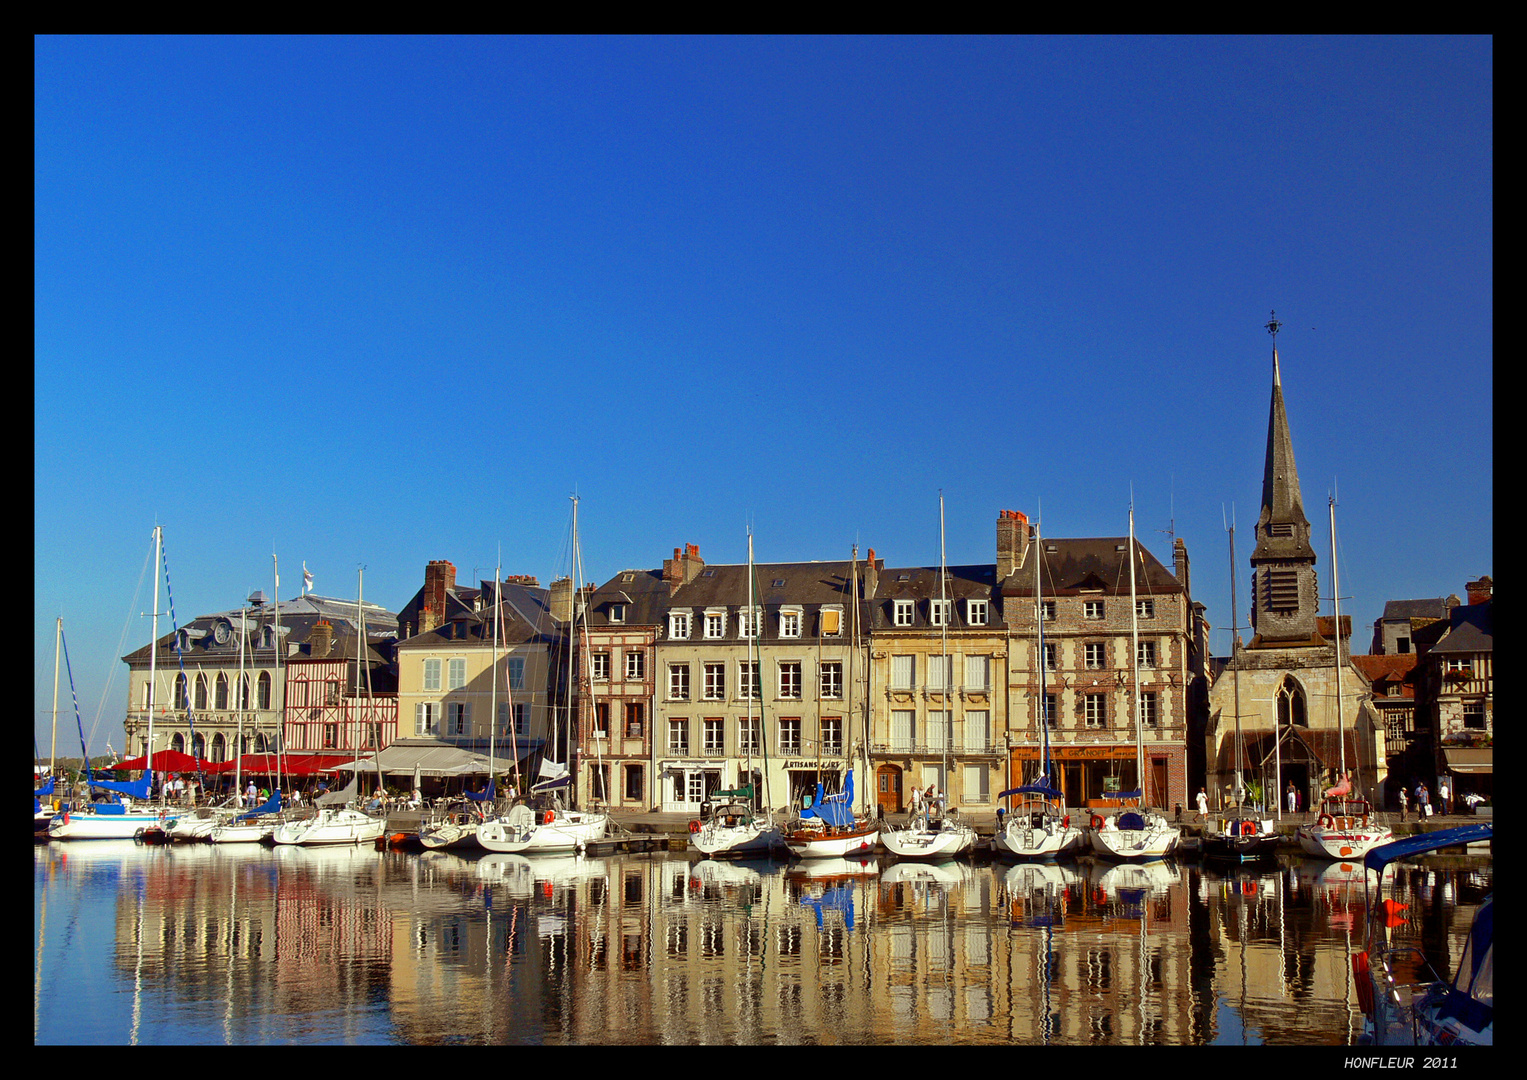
point(1083, 565)
point(1403, 610)
point(525, 612)
point(1469, 631)
point(298, 617)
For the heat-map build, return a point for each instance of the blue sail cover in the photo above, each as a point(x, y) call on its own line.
point(1041, 787)
point(481, 796)
point(138, 789)
point(836, 810)
point(271, 805)
point(46, 789)
point(1122, 794)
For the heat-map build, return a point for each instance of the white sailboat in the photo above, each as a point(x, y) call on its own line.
point(555, 827)
point(1239, 833)
point(1345, 826)
point(1039, 827)
point(134, 811)
point(1134, 833)
point(735, 828)
point(828, 828)
point(930, 833)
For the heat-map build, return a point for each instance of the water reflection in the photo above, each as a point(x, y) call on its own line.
point(209, 943)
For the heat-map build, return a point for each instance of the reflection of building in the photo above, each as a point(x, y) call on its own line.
point(1283, 683)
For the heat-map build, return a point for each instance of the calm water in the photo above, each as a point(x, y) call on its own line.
point(252, 945)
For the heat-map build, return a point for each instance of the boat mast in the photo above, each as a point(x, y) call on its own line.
point(58, 647)
point(493, 678)
point(243, 700)
point(943, 605)
point(753, 677)
point(360, 663)
point(1039, 622)
point(153, 653)
point(1235, 675)
point(1341, 739)
point(1134, 649)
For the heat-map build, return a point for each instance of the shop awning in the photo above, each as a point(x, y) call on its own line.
point(430, 758)
point(1469, 759)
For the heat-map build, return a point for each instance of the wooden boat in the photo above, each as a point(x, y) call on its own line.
point(828, 828)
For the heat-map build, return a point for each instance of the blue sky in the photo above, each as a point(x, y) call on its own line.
point(372, 302)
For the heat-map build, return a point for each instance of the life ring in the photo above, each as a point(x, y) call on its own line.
point(546, 819)
point(694, 827)
point(1065, 822)
point(1324, 821)
point(1247, 828)
point(1097, 821)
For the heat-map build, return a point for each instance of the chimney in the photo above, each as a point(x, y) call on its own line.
point(683, 568)
point(321, 639)
point(1180, 564)
point(561, 600)
point(439, 580)
point(1481, 590)
point(871, 576)
point(1012, 542)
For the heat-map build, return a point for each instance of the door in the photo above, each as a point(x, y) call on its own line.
point(888, 788)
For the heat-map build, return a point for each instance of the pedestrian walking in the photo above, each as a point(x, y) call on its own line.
point(1203, 804)
point(1444, 795)
point(1404, 798)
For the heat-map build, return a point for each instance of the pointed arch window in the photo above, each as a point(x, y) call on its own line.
point(1292, 710)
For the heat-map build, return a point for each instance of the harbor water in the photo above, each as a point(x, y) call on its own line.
point(248, 945)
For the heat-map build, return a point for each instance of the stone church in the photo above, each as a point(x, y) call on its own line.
point(1284, 682)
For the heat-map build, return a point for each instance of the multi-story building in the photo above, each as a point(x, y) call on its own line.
point(210, 692)
point(1457, 694)
point(477, 671)
point(341, 698)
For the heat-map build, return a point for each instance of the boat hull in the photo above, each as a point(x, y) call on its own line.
point(926, 843)
point(1239, 839)
point(449, 835)
point(331, 827)
point(565, 832)
point(1326, 842)
point(242, 833)
point(1152, 839)
point(832, 843)
point(74, 825)
point(1019, 841)
point(739, 841)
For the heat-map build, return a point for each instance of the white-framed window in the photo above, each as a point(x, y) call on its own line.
point(1049, 657)
point(432, 674)
point(747, 623)
point(678, 682)
point(678, 736)
point(636, 664)
point(903, 729)
point(1145, 609)
point(715, 624)
point(832, 735)
point(458, 717)
point(1047, 610)
point(832, 679)
point(790, 679)
point(747, 680)
point(938, 729)
point(617, 613)
point(1145, 655)
point(427, 718)
point(1095, 655)
point(1148, 705)
point(977, 730)
point(1095, 710)
point(456, 673)
point(1092, 609)
point(599, 666)
point(749, 729)
point(903, 672)
point(831, 621)
point(938, 612)
point(790, 735)
point(902, 612)
point(978, 673)
point(678, 625)
point(516, 673)
point(714, 736)
point(976, 612)
point(938, 672)
point(1051, 711)
point(790, 623)
point(715, 681)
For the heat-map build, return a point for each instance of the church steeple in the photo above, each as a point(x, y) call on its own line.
point(1283, 564)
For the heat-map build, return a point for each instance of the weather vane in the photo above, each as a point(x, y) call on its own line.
point(1273, 326)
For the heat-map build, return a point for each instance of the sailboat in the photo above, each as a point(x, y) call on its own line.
point(1239, 833)
point(554, 827)
point(1345, 826)
point(929, 833)
point(828, 828)
point(734, 828)
point(1135, 833)
point(1039, 828)
point(251, 826)
point(133, 812)
point(42, 816)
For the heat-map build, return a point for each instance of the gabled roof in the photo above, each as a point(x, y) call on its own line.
point(1469, 631)
point(644, 593)
point(1070, 567)
point(1388, 668)
point(1404, 610)
point(920, 584)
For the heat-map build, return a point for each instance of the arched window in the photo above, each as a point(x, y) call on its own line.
point(1291, 704)
point(264, 690)
point(243, 692)
point(181, 696)
point(201, 692)
point(178, 743)
point(200, 742)
point(219, 748)
point(222, 692)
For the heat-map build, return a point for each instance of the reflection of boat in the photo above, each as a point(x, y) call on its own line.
point(1038, 892)
point(523, 875)
point(728, 874)
point(945, 875)
point(528, 832)
point(1133, 883)
point(828, 869)
point(1433, 1011)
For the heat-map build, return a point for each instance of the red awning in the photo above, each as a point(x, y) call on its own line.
point(167, 761)
point(290, 764)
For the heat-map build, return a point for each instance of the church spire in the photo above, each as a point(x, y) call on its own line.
point(1283, 563)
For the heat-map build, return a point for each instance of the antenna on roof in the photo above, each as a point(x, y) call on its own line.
point(1171, 521)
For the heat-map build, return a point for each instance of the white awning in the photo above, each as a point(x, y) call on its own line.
point(430, 758)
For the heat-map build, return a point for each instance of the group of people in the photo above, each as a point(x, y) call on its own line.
point(933, 799)
point(1422, 798)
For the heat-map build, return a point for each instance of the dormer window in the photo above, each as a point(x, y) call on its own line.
point(938, 612)
point(902, 612)
point(831, 621)
point(747, 623)
point(678, 625)
point(617, 613)
point(715, 624)
point(790, 623)
point(975, 612)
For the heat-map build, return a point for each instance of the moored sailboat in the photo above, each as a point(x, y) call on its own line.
point(828, 828)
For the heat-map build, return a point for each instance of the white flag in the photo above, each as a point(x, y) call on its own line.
point(307, 579)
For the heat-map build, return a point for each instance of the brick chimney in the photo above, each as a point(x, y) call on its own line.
point(561, 599)
point(683, 568)
point(1481, 590)
point(321, 639)
point(439, 580)
point(871, 576)
point(1180, 564)
point(1012, 542)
